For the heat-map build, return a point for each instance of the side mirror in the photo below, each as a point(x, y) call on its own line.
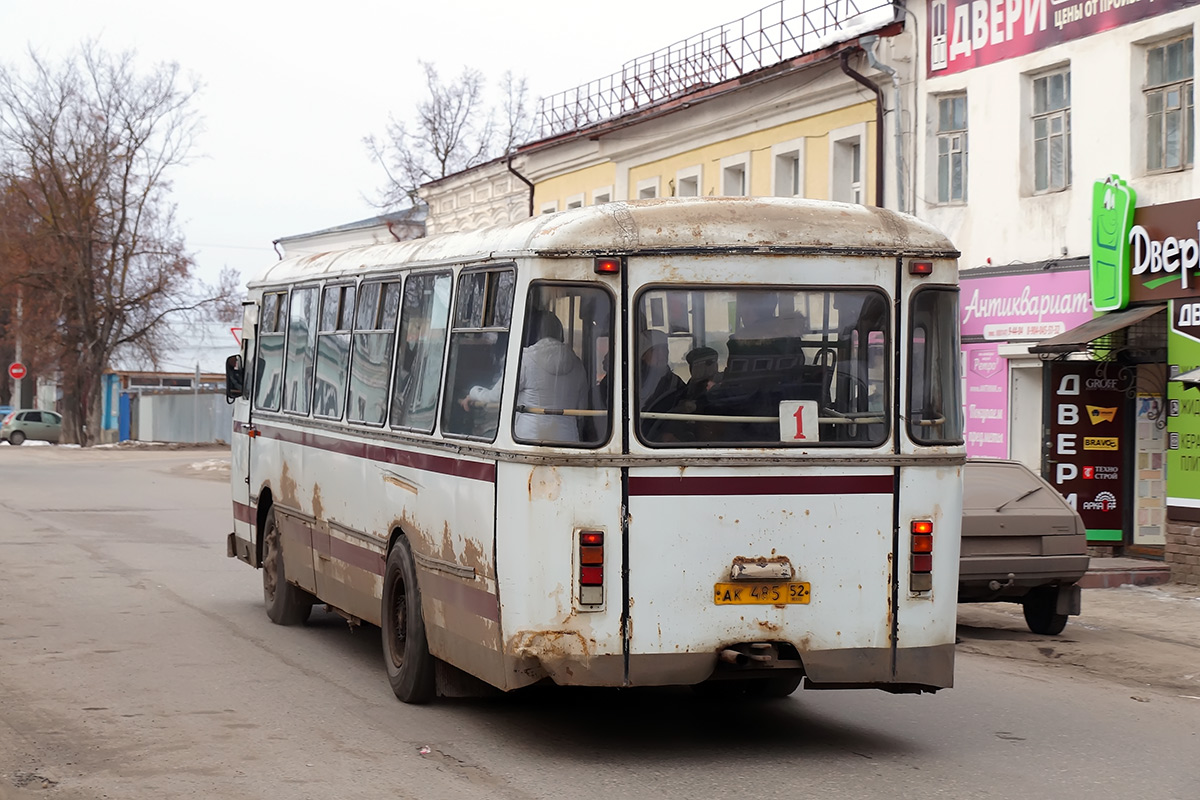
point(235, 378)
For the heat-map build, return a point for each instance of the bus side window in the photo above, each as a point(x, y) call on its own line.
point(268, 367)
point(371, 361)
point(301, 336)
point(562, 387)
point(423, 328)
point(478, 345)
point(333, 351)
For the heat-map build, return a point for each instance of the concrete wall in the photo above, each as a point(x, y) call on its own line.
point(183, 417)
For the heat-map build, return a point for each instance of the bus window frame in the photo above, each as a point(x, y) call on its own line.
point(889, 322)
point(456, 297)
point(313, 323)
point(437, 409)
point(614, 312)
point(283, 292)
point(910, 345)
point(383, 280)
point(326, 287)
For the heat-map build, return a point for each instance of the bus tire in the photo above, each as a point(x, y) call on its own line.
point(287, 604)
point(1041, 611)
point(410, 667)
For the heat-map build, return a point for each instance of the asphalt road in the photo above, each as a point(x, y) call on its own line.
point(136, 662)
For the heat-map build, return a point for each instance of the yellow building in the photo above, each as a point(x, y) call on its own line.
point(720, 118)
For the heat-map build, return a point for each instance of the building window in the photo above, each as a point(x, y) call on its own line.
point(602, 196)
point(647, 189)
point(549, 208)
point(952, 149)
point(848, 170)
point(788, 173)
point(688, 182)
point(1052, 131)
point(735, 174)
point(1170, 106)
point(575, 201)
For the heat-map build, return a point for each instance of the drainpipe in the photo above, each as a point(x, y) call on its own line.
point(878, 124)
point(868, 44)
point(524, 180)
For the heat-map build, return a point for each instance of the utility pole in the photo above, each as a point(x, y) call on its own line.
point(17, 401)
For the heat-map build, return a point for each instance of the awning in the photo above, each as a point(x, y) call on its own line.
point(1079, 337)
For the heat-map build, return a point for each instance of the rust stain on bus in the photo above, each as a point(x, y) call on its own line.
point(474, 555)
point(544, 483)
point(318, 509)
point(287, 487)
point(549, 645)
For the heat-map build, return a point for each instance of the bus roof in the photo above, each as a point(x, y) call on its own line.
point(668, 225)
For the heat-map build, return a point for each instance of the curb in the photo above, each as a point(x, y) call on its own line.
point(1153, 574)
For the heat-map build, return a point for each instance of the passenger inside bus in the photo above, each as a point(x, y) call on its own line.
point(552, 380)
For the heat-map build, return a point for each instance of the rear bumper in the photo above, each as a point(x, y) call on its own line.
point(975, 573)
point(916, 669)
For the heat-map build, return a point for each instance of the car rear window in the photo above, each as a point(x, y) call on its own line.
point(989, 485)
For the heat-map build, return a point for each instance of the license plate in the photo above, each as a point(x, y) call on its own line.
point(761, 594)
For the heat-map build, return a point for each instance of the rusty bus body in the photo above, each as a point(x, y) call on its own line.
point(793, 516)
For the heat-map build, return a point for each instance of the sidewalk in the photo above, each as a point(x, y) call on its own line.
point(1106, 573)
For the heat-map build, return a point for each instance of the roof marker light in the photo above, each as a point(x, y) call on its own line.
point(608, 266)
point(920, 268)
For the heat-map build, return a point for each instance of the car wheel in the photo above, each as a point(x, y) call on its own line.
point(1041, 615)
point(287, 604)
point(16, 437)
point(410, 667)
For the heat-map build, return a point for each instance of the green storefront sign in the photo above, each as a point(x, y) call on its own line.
point(1183, 412)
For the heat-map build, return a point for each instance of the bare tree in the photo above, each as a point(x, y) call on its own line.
point(454, 129)
point(86, 147)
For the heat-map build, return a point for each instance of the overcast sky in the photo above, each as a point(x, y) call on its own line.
point(291, 89)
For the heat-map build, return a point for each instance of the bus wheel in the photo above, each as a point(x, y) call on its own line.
point(405, 649)
point(1041, 607)
point(287, 604)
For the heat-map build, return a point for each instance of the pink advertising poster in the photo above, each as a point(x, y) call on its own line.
point(986, 401)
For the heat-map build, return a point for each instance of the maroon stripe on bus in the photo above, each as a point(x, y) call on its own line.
point(775, 485)
point(456, 593)
point(354, 554)
point(243, 512)
point(472, 470)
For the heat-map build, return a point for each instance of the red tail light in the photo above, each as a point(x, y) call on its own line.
point(920, 577)
point(920, 268)
point(591, 568)
point(607, 266)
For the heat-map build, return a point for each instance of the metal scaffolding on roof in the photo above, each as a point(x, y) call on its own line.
point(781, 31)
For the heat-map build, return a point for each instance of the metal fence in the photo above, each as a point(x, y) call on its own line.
point(773, 34)
point(182, 417)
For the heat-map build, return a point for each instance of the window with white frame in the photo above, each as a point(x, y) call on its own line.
point(1052, 131)
point(549, 208)
point(647, 189)
point(787, 176)
point(1170, 106)
point(952, 148)
point(602, 195)
point(575, 201)
point(735, 175)
point(848, 168)
point(688, 182)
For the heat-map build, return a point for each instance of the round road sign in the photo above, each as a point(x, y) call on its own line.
point(16, 370)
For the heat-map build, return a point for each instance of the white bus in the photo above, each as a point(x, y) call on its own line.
point(707, 441)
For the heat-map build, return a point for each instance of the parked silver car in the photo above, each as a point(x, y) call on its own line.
point(1021, 543)
point(32, 424)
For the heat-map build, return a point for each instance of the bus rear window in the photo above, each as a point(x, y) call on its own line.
point(934, 398)
point(762, 367)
